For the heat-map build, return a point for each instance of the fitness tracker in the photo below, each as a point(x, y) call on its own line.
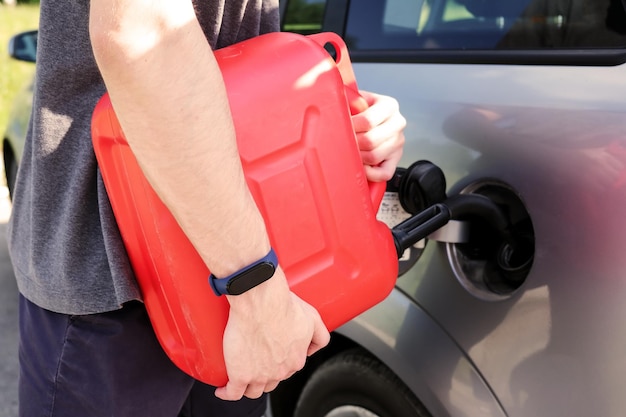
point(246, 278)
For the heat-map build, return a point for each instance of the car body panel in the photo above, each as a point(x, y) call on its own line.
point(428, 361)
point(558, 143)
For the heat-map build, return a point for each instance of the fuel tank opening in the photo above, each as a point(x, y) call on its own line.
point(489, 264)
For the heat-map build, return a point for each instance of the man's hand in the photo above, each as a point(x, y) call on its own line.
point(379, 132)
point(270, 333)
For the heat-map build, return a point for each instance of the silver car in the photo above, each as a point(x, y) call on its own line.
point(522, 102)
point(516, 307)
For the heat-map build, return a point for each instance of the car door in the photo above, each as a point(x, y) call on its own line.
point(522, 102)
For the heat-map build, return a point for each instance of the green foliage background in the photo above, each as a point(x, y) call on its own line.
point(14, 75)
point(304, 16)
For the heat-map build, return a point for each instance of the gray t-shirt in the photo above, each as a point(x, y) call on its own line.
point(64, 242)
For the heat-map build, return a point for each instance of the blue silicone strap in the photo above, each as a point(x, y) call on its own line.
point(220, 285)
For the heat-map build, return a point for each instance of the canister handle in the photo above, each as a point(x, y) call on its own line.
point(356, 102)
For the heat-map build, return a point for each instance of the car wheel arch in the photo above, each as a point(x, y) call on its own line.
point(423, 370)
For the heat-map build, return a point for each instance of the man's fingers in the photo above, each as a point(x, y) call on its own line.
point(231, 391)
point(271, 387)
point(234, 392)
point(255, 391)
point(320, 338)
point(381, 172)
point(381, 108)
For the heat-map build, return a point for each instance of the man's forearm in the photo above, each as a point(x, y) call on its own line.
point(169, 96)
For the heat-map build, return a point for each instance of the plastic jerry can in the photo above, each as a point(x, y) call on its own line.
point(289, 101)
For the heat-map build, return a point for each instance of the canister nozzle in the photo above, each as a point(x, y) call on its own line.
point(422, 193)
point(419, 226)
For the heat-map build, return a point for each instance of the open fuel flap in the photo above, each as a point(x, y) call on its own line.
point(486, 228)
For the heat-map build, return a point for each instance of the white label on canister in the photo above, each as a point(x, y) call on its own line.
point(391, 213)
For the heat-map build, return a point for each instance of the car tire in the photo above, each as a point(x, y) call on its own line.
point(355, 384)
point(11, 174)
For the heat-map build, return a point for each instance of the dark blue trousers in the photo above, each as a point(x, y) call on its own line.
point(109, 365)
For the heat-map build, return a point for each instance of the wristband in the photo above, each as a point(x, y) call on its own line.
point(246, 278)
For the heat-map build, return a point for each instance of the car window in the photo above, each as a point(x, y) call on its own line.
point(485, 24)
point(469, 24)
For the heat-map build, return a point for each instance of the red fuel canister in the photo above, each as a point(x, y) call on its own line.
point(302, 165)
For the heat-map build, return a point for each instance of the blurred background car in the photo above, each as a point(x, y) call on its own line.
point(515, 307)
point(22, 47)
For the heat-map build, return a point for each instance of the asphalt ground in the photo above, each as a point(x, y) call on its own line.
point(8, 318)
